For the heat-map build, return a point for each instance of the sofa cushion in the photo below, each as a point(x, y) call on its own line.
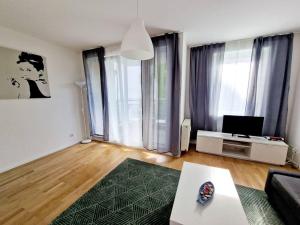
point(289, 189)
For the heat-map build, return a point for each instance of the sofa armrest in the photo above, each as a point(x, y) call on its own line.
point(280, 172)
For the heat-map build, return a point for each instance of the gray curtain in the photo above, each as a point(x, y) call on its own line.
point(269, 82)
point(206, 63)
point(161, 96)
point(99, 54)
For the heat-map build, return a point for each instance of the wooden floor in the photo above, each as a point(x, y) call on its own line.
point(39, 191)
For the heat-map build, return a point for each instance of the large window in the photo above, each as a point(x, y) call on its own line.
point(124, 100)
point(235, 78)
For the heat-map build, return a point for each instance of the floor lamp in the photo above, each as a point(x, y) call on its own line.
point(82, 85)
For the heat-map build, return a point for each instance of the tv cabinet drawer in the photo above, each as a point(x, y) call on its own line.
point(209, 144)
point(269, 153)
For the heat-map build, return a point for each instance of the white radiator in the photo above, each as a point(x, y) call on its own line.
point(185, 134)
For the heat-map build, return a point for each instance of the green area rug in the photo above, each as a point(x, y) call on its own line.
point(140, 193)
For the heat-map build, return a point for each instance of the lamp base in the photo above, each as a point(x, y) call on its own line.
point(86, 141)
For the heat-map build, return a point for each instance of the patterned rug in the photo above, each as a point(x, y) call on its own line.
point(139, 193)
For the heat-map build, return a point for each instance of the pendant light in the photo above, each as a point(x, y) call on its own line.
point(137, 43)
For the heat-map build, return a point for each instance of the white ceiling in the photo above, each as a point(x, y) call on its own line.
point(82, 24)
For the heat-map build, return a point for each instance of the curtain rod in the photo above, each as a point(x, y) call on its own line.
point(265, 35)
point(207, 43)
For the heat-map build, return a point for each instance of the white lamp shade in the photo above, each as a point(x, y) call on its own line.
point(137, 43)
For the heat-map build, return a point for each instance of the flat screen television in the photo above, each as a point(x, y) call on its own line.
point(243, 125)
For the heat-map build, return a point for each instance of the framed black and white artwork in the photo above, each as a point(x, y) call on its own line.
point(22, 75)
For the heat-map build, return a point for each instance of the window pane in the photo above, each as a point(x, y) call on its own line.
point(235, 78)
point(161, 99)
point(95, 96)
point(124, 100)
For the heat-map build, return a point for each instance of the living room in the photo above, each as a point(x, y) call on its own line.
point(149, 112)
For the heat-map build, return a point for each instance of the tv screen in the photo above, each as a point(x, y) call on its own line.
point(245, 125)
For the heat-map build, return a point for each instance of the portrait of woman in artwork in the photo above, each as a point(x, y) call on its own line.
point(22, 75)
point(32, 68)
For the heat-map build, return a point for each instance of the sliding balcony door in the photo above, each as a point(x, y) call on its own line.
point(114, 98)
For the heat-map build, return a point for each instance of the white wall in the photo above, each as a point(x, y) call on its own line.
point(32, 128)
point(293, 127)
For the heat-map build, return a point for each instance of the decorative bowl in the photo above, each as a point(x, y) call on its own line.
point(206, 192)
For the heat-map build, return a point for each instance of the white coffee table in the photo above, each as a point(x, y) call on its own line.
point(225, 208)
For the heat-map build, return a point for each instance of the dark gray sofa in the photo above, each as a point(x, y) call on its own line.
point(283, 190)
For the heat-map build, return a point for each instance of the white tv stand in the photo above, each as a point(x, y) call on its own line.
point(253, 148)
